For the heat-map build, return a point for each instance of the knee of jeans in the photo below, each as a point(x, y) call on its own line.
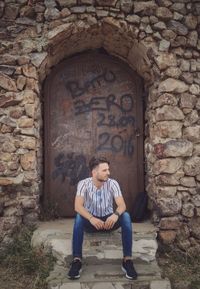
point(79, 219)
point(125, 217)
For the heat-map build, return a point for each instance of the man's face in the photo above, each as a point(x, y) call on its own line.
point(101, 172)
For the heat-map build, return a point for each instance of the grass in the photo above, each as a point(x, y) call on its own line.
point(180, 267)
point(23, 266)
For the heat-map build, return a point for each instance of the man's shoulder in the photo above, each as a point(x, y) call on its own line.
point(85, 181)
point(112, 181)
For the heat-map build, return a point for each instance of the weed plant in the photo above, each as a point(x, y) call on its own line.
point(20, 259)
point(180, 267)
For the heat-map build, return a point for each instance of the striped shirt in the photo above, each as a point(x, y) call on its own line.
point(98, 202)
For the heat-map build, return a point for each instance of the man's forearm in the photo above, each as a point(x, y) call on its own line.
point(121, 209)
point(83, 212)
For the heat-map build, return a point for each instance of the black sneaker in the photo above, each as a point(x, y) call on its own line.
point(75, 269)
point(128, 268)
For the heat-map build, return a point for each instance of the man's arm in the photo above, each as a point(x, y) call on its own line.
point(79, 208)
point(121, 208)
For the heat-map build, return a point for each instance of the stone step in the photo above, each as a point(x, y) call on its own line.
point(58, 235)
point(102, 257)
point(108, 274)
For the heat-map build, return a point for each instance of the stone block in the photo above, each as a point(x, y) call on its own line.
point(170, 166)
point(166, 179)
point(25, 122)
point(164, 13)
point(166, 192)
point(9, 147)
point(126, 6)
point(192, 166)
point(16, 113)
point(169, 206)
point(147, 7)
point(164, 45)
point(27, 142)
point(166, 60)
point(111, 3)
point(7, 83)
point(195, 227)
point(167, 129)
point(187, 100)
point(191, 21)
point(188, 210)
point(178, 27)
point(194, 89)
point(29, 71)
point(171, 223)
point(192, 39)
point(167, 237)
point(192, 133)
point(28, 161)
point(168, 112)
point(21, 82)
point(196, 151)
point(160, 284)
point(167, 99)
point(172, 85)
point(175, 148)
point(188, 182)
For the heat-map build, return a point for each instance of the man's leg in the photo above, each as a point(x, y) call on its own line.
point(80, 225)
point(126, 227)
point(77, 244)
point(127, 264)
point(77, 240)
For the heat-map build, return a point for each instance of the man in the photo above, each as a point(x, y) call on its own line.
point(94, 207)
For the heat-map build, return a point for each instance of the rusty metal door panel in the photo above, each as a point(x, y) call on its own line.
point(93, 105)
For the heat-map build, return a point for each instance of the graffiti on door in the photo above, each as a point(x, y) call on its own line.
point(71, 166)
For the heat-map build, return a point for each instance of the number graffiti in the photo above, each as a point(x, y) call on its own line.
point(112, 120)
point(115, 143)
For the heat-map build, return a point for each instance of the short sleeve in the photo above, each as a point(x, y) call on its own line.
point(81, 189)
point(116, 189)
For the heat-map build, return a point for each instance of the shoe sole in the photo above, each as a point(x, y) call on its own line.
point(75, 277)
point(128, 277)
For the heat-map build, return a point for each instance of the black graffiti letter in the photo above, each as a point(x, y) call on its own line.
point(126, 103)
point(74, 88)
point(109, 76)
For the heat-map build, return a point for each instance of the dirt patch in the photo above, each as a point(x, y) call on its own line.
point(9, 279)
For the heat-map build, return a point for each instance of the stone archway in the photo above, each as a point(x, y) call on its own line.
point(70, 39)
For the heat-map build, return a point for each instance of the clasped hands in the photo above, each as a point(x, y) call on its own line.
point(101, 225)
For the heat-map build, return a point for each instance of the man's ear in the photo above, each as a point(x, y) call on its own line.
point(94, 171)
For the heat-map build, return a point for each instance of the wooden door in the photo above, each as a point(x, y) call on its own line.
point(93, 105)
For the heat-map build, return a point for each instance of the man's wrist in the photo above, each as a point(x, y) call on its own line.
point(117, 214)
point(90, 218)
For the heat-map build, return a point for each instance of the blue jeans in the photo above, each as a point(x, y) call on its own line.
point(81, 224)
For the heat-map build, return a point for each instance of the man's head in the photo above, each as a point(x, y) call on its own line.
point(99, 167)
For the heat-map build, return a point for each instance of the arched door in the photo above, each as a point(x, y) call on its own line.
point(93, 105)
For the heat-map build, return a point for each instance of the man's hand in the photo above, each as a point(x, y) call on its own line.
point(110, 221)
point(97, 223)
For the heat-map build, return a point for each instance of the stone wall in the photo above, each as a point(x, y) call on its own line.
point(160, 40)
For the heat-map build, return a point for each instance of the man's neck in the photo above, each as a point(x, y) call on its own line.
point(97, 183)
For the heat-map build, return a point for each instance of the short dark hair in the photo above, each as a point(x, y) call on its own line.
point(95, 161)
